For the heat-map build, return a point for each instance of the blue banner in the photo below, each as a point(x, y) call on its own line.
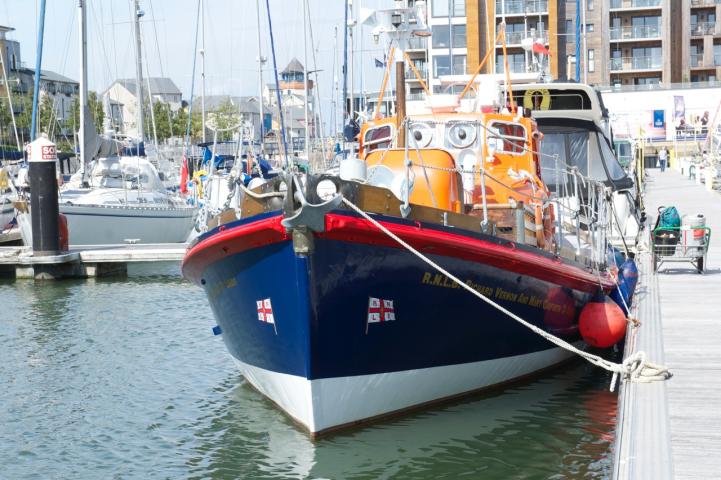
point(659, 119)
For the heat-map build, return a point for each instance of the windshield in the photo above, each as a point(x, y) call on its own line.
point(584, 149)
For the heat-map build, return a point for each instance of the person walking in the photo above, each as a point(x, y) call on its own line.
point(663, 158)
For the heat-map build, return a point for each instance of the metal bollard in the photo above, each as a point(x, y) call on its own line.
point(44, 197)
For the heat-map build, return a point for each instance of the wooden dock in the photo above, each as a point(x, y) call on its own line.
point(85, 261)
point(672, 429)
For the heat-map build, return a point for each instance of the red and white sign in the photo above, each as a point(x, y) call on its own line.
point(380, 310)
point(265, 311)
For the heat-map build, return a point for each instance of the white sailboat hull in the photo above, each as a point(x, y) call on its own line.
point(101, 224)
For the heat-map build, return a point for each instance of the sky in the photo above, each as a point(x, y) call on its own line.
point(168, 31)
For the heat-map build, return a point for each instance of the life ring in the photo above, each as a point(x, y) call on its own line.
point(532, 101)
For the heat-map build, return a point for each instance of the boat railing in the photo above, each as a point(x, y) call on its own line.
point(581, 206)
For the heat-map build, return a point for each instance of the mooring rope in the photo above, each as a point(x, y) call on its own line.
point(634, 368)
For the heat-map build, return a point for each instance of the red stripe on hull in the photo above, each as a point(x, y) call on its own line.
point(429, 241)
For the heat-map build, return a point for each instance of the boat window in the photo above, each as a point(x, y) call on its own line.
point(507, 137)
point(553, 160)
point(379, 137)
point(578, 149)
point(596, 169)
point(615, 170)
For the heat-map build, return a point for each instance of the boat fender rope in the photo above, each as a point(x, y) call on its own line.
point(634, 368)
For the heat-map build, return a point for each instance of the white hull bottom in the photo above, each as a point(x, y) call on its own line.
point(328, 403)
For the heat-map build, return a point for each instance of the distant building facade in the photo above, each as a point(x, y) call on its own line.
point(620, 43)
point(121, 100)
point(245, 109)
point(62, 91)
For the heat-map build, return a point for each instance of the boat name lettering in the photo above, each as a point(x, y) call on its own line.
point(440, 280)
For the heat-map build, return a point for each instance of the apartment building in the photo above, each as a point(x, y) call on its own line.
point(623, 42)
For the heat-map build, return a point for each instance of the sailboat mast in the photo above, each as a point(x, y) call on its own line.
point(83, 107)
point(350, 62)
point(261, 61)
point(38, 71)
point(138, 71)
point(202, 68)
point(305, 80)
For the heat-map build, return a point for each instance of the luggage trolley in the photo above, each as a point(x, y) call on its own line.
point(687, 243)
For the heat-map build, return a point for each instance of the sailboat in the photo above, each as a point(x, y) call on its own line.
point(118, 196)
point(427, 269)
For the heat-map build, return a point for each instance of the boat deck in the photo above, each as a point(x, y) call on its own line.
point(672, 429)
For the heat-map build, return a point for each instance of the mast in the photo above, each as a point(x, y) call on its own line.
point(350, 63)
point(345, 66)
point(305, 80)
point(138, 72)
point(400, 97)
point(83, 107)
point(38, 71)
point(261, 61)
point(202, 67)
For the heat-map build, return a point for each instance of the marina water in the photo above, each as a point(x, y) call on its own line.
point(124, 379)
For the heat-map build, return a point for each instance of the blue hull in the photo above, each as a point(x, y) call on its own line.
point(320, 306)
point(321, 345)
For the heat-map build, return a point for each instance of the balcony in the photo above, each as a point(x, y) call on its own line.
point(636, 63)
point(516, 38)
point(696, 60)
point(521, 7)
point(634, 4)
point(639, 32)
point(417, 43)
point(703, 28)
point(422, 70)
point(705, 3)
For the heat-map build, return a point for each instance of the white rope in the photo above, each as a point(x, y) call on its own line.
point(633, 368)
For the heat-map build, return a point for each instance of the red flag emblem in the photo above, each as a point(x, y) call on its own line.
point(380, 310)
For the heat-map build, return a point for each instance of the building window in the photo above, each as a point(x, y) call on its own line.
point(441, 65)
point(456, 8)
point(591, 60)
point(440, 36)
point(459, 8)
point(459, 64)
point(589, 27)
point(569, 26)
point(440, 8)
point(647, 81)
point(14, 62)
point(589, 4)
point(459, 36)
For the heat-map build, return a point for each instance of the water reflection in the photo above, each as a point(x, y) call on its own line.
point(560, 426)
point(124, 379)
